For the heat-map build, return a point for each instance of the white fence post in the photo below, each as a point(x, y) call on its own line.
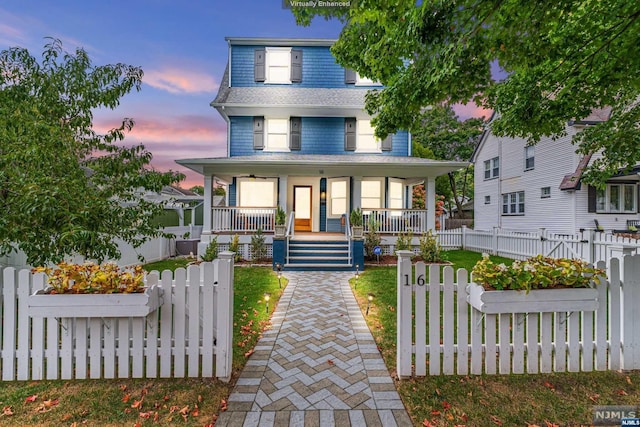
point(224, 339)
point(590, 250)
point(630, 303)
point(463, 238)
point(494, 241)
point(404, 310)
point(542, 234)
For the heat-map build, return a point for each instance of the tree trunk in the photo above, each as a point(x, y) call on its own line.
point(454, 190)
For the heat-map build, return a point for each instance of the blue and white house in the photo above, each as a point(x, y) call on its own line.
point(299, 138)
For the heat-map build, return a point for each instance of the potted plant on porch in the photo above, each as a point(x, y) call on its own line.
point(539, 284)
point(280, 227)
point(355, 218)
point(92, 290)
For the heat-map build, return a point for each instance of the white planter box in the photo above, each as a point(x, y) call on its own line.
point(536, 301)
point(95, 305)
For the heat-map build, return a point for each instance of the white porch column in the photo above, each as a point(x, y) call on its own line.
point(356, 196)
point(206, 213)
point(430, 202)
point(282, 193)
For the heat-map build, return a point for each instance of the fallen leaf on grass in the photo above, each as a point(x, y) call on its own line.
point(496, 420)
point(435, 413)
point(195, 412)
point(621, 392)
point(199, 399)
point(137, 404)
point(446, 405)
point(7, 411)
point(594, 397)
point(31, 398)
point(628, 380)
point(550, 386)
point(156, 417)
point(427, 423)
point(123, 387)
point(248, 353)
point(223, 405)
point(67, 417)
point(126, 398)
point(548, 424)
point(145, 414)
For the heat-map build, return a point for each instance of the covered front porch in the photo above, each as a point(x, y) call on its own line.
point(317, 193)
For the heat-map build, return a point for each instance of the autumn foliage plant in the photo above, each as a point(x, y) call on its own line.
point(538, 272)
point(92, 278)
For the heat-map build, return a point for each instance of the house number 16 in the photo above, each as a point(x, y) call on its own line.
point(419, 280)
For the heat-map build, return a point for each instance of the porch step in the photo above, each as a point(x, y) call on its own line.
point(318, 255)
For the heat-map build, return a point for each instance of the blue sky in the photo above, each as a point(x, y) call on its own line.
point(179, 45)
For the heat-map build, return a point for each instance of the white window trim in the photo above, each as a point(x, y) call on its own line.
point(239, 182)
point(359, 148)
point(543, 195)
point(267, 148)
point(607, 204)
point(532, 157)
point(402, 196)
point(381, 197)
point(330, 196)
point(518, 202)
point(491, 168)
point(267, 66)
point(487, 200)
point(365, 81)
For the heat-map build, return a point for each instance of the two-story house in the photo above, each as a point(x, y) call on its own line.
point(527, 187)
point(299, 138)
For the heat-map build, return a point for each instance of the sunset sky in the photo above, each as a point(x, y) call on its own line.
point(179, 45)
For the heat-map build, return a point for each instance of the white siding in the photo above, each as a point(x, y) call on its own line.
point(553, 160)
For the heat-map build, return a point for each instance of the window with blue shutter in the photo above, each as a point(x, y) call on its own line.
point(350, 134)
point(295, 133)
point(350, 76)
point(259, 65)
point(387, 143)
point(296, 66)
point(258, 133)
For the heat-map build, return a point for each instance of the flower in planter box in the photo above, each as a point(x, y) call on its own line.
point(92, 278)
point(538, 272)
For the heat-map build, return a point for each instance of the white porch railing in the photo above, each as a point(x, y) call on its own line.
point(240, 219)
point(392, 221)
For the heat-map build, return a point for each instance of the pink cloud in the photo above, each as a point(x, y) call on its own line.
point(175, 80)
point(471, 110)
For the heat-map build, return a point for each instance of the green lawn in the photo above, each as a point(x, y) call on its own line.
point(185, 402)
point(484, 400)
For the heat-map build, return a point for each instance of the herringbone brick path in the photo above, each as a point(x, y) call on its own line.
point(317, 366)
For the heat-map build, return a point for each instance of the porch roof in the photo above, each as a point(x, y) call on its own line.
point(321, 165)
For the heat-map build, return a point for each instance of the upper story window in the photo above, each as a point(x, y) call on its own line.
point(622, 198)
point(359, 137)
point(278, 65)
point(492, 168)
point(513, 203)
point(529, 157)
point(277, 134)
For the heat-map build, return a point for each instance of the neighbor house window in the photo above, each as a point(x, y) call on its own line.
point(492, 168)
point(545, 192)
point(529, 157)
point(513, 203)
point(371, 194)
point(337, 198)
point(277, 133)
point(487, 200)
point(622, 198)
point(257, 193)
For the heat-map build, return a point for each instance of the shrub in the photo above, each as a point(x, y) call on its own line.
point(258, 246)
point(538, 272)
point(403, 242)
point(355, 218)
point(92, 278)
point(371, 238)
point(430, 249)
point(211, 252)
point(281, 216)
point(234, 247)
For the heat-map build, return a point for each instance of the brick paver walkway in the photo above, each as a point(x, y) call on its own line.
point(317, 366)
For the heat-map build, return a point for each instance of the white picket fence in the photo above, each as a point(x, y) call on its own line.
point(451, 337)
point(588, 245)
point(189, 335)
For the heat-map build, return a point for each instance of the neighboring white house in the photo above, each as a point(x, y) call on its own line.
point(526, 188)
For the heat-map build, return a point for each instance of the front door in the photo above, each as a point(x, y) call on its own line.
point(302, 207)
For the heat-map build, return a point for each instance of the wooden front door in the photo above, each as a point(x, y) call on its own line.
point(302, 207)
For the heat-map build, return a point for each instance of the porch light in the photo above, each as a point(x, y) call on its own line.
point(357, 276)
point(323, 195)
point(370, 298)
point(279, 270)
point(267, 296)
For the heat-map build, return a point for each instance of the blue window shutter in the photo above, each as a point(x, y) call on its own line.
point(259, 65)
point(350, 134)
point(349, 76)
point(387, 143)
point(295, 133)
point(296, 66)
point(258, 133)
